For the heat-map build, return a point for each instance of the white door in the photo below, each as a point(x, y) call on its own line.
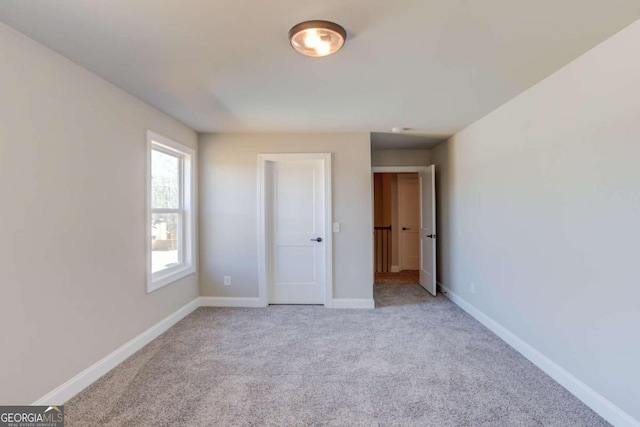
point(409, 221)
point(296, 231)
point(428, 229)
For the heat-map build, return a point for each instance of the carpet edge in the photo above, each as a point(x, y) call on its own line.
point(79, 382)
point(594, 400)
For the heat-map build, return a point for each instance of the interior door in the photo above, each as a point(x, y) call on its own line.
point(298, 232)
point(409, 221)
point(428, 229)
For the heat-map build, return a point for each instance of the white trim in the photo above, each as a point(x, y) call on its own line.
point(262, 225)
point(262, 237)
point(79, 382)
point(602, 406)
point(590, 397)
point(189, 207)
point(395, 269)
point(328, 221)
point(85, 378)
point(354, 303)
point(170, 277)
point(231, 302)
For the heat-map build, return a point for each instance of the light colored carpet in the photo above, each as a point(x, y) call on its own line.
point(413, 361)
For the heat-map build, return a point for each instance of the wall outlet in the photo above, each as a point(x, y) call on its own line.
point(227, 280)
point(472, 287)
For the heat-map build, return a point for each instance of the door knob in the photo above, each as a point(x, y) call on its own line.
point(405, 228)
point(317, 239)
point(431, 236)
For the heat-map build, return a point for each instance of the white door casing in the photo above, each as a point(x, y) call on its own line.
point(409, 221)
point(428, 229)
point(295, 211)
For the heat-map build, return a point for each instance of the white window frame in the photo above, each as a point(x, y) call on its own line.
point(186, 238)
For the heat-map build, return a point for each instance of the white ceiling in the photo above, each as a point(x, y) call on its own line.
point(226, 65)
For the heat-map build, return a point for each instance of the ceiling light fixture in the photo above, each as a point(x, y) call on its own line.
point(317, 38)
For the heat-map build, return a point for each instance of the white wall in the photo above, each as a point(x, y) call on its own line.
point(540, 207)
point(400, 157)
point(229, 212)
point(72, 180)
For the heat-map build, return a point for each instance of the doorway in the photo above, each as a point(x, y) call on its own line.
point(295, 243)
point(397, 224)
point(404, 225)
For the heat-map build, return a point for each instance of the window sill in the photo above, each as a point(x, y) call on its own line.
point(161, 280)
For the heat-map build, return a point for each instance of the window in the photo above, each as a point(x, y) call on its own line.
point(170, 213)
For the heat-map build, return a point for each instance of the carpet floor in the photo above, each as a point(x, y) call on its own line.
point(415, 360)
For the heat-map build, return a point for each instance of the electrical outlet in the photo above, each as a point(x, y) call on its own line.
point(227, 280)
point(472, 287)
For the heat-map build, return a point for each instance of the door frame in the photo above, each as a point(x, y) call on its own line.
point(395, 169)
point(264, 254)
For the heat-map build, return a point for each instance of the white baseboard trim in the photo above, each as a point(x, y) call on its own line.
point(590, 397)
point(353, 303)
point(230, 302)
point(602, 406)
point(395, 269)
point(257, 302)
point(85, 378)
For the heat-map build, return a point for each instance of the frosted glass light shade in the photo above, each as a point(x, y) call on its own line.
point(317, 38)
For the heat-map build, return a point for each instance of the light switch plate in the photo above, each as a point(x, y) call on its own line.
point(336, 227)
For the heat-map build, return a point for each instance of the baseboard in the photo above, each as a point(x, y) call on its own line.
point(353, 303)
point(85, 378)
point(590, 397)
point(602, 406)
point(257, 302)
point(230, 302)
point(395, 269)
